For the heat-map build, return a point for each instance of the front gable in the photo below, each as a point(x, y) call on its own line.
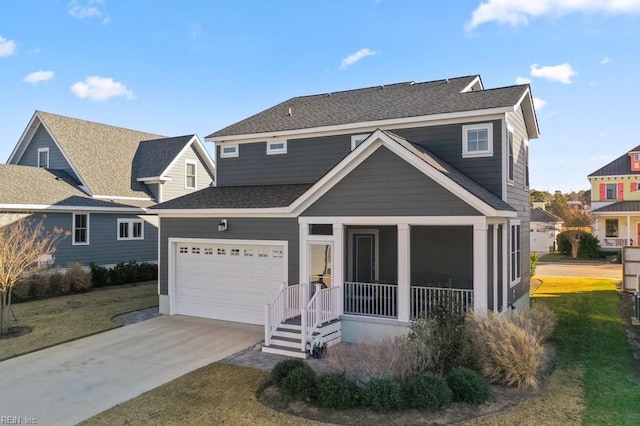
point(386, 185)
point(175, 176)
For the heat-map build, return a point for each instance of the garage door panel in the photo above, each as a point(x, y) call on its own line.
point(227, 281)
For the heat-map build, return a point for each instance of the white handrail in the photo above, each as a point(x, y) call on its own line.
point(287, 303)
point(322, 308)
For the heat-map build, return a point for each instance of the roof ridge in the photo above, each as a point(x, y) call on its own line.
point(95, 122)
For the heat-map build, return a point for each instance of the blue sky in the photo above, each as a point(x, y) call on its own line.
point(195, 66)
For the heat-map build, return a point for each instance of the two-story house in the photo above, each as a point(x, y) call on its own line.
point(351, 213)
point(615, 201)
point(96, 182)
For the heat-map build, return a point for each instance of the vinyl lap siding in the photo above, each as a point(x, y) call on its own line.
point(176, 186)
point(104, 247)
point(386, 185)
point(42, 139)
point(306, 161)
point(285, 229)
point(518, 197)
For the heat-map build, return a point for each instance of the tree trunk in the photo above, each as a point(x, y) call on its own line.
point(3, 315)
point(574, 248)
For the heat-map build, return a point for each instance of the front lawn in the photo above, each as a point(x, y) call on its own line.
point(591, 384)
point(565, 258)
point(60, 319)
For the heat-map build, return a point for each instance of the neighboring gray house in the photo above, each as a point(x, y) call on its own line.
point(545, 227)
point(96, 182)
point(346, 215)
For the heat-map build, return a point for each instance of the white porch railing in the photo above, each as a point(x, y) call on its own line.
point(614, 242)
point(286, 304)
point(425, 299)
point(322, 308)
point(371, 299)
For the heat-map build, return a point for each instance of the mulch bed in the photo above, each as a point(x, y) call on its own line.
point(16, 332)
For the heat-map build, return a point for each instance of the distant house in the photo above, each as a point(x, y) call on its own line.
point(615, 201)
point(545, 227)
point(96, 182)
point(355, 212)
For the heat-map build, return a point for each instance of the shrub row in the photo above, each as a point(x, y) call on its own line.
point(123, 273)
point(427, 391)
point(55, 283)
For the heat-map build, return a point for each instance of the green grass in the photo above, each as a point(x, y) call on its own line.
point(590, 336)
point(60, 319)
point(563, 258)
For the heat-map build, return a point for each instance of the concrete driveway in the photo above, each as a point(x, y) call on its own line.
point(603, 270)
point(73, 381)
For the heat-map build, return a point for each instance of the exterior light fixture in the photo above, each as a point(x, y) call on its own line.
point(222, 226)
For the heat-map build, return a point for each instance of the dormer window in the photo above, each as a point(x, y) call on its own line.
point(477, 140)
point(229, 151)
point(635, 161)
point(43, 157)
point(276, 147)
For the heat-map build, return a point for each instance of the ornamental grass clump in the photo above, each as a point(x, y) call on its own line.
point(538, 320)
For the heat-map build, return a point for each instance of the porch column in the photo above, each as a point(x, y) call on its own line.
point(338, 263)
point(495, 267)
point(404, 271)
point(628, 231)
point(303, 262)
point(506, 265)
point(480, 260)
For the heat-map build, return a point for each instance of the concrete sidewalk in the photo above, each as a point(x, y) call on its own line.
point(68, 383)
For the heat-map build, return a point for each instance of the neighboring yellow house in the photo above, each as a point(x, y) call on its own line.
point(615, 201)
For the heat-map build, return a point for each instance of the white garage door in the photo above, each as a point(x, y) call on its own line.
point(227, 281)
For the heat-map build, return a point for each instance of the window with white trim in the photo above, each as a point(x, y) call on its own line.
point(515, 261)
point(526, 163)
point(80, 228)
point(229, 151)
point(611, 191)
point(43, 157)
point(190, 174)
point(277, 147)
point(130, 229)
point(511, 157)
point(611, 228)
point(356, 140)
point(477, 140)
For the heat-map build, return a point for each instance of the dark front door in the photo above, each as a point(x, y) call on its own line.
point(364, 255)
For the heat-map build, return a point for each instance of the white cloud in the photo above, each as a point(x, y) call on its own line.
point(539, 103)
point(561, 73)
point(606, 60)
point(518, 12)
point(7, 47)
point(522, 80)
point(88, 9)
point(99, 88)
point(355, 57)
point(38, 76)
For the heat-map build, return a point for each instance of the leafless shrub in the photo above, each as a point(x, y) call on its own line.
point(38, 285)
point(509, 354)
point(538, 320)
point(21, 291)
point(58, 283)
point(79, 280)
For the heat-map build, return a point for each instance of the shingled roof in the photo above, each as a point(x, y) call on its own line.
point(619, 166)
point(154, 156)
point(540, 215)
point(394, 101)
point(46, 188)
point(101, 154)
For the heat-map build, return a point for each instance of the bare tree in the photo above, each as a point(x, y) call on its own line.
point(22, 244)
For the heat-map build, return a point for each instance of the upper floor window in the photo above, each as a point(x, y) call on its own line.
point(611, 191)
point(80, 229)
point(43, 157)
point(130, 229)
point(511, 158)
point(477, 140)
point(190, 175)
point(276, 147)
point(356, 140)
point(228, 151)
point(526, 164)
point(514, 246)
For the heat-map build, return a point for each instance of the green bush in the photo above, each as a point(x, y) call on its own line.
point(79, 280)
point(335, 390)
point(589, 246)
point(58, 284)
point(283, 368)
point(427, 392)
point(468, 386)
point(99, 275)
point(147, 271)
point(381, 394)
point(564, 246)
point(302, 382)
point(534, 264)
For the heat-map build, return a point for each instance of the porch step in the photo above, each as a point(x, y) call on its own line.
point(288, 332)
point(283, 350)
point(289, 342)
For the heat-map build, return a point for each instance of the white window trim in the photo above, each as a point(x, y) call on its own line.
point(130, 223)
point(511, 154)
point(276, 151)
point(512, 224)
point(235, 153)
point(471, 154)
point(73, 229)
point(527, 164)
point(358, 138)
point(195, 174)
point(43, 150)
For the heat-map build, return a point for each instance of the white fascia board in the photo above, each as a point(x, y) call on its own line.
point(24, 140)
point(473, 82)
point(616, 213)
point(395, 220)
point(528, 99)
point(53, 208)
point(185, 213)
point(194, 141)
point(154, 179)
point(360, 126)
point(116, 197)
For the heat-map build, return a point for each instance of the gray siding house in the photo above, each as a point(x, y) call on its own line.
point(97, 182)
point(344, 216)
